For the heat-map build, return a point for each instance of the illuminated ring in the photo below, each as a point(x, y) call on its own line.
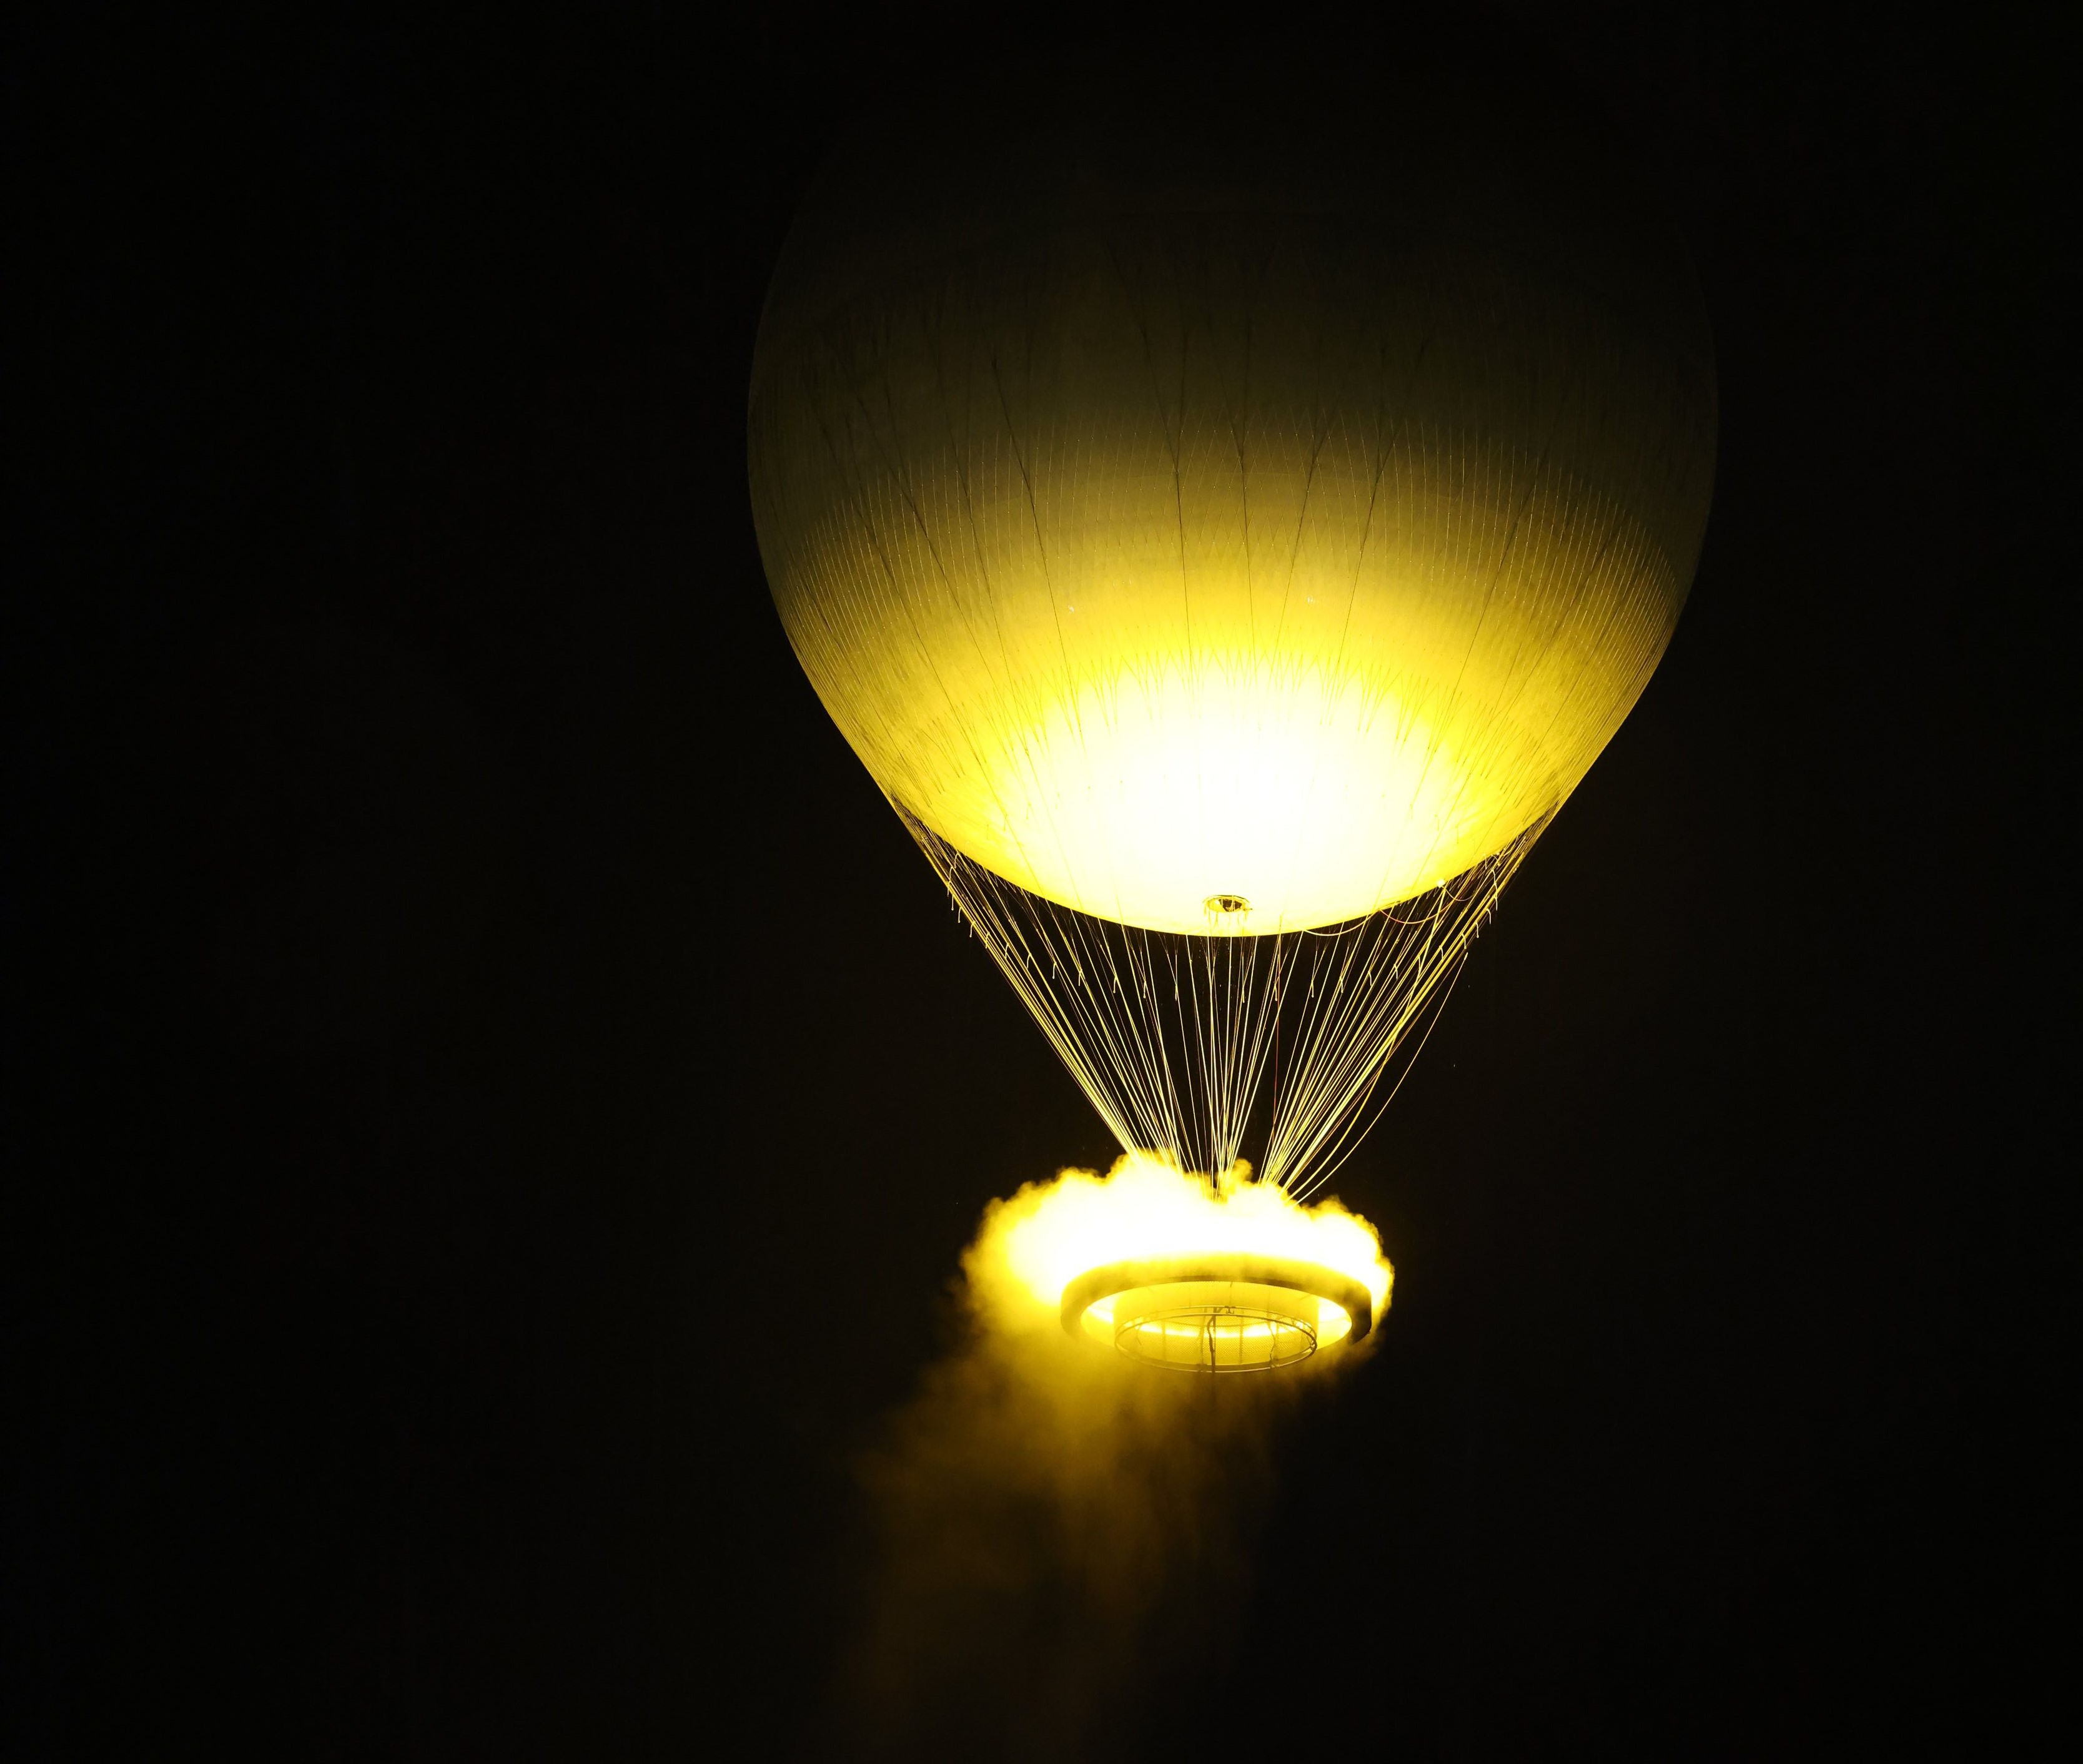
point(1088, 1289)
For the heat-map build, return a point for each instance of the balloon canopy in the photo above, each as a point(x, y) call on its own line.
point(1214, 524)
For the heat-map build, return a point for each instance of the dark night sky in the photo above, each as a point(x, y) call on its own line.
point(492, 1101)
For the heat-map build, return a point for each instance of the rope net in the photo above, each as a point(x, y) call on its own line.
point(1201, 1046)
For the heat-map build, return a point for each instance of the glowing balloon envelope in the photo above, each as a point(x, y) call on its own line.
point(1289, 523)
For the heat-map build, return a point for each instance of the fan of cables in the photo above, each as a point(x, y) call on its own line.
point(1203, 1048)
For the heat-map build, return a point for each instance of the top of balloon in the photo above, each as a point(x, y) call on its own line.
point(1271, 506)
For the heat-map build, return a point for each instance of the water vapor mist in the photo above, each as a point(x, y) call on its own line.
point(1060, 1529)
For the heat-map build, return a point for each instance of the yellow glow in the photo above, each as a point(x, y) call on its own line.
point(1316, 763)
point(1146, 1208)
point(1331, 1321)
point(1151, 544)
point(1309, 796)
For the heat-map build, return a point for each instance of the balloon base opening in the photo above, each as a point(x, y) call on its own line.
point(1217, 1313)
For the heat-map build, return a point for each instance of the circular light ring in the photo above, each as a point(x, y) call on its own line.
point(1307, 1278)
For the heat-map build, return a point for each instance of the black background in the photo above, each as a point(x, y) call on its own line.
point(493, 1102)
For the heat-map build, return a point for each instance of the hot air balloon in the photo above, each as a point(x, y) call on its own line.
point(1228, 537)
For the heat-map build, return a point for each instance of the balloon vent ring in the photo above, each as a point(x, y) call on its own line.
point(1217, 1313)
point(1228, 906)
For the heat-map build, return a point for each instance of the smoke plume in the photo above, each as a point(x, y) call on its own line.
point(1060, 1530)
